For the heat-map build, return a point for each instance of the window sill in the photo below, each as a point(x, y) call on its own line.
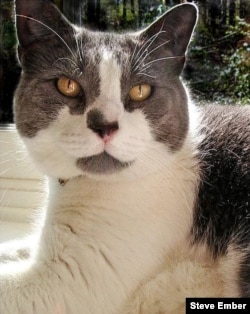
point(20, 186)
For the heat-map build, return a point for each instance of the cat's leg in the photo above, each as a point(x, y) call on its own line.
point(234, 267)
point(21, 283)
point(181, 276)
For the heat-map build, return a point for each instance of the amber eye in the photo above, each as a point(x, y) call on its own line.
point(68, 87)
point(140, 92)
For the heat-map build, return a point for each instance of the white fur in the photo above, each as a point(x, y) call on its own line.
point(109, 101)
point(106, 246)
point(57, 148)
point(125, 221)
point(117, 247)
point(181, 276)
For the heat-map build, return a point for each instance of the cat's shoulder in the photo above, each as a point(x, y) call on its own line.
point(223, 201)
point(225, 114)
point(226, 126)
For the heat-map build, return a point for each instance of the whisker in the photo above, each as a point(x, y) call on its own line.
point(133, 54)
point(41, 23)
point(147, 65)
point(77, 45)
point(148, 54)
point(164, 43)
point(77, 69)
point(81, 43)
point(140, 60)
point(149, 42)
point(160, 59)
point(68, 59)
point(141, 56)
point(141, 73)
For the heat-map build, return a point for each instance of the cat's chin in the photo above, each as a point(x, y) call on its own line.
point(102, 164)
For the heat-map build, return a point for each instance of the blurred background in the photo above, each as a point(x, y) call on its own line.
point(218, 63)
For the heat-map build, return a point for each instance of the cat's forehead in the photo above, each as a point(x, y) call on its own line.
point(106, 46)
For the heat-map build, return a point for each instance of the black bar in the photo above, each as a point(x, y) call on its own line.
point(217, 305)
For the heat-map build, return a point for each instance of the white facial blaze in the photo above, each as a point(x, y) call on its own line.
point(109, 101)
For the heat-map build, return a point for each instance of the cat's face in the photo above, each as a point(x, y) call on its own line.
point(96, 103)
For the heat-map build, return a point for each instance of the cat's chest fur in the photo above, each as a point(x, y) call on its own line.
point(121, 230)
point(103, 237)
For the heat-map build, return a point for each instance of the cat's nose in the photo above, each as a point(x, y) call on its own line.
point(105, 130)
point(97, 123)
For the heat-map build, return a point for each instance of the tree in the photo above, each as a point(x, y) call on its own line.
point(232, 12)
point(72, 9)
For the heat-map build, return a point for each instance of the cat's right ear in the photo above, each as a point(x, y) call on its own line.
point(175, 28)
point(37, 20)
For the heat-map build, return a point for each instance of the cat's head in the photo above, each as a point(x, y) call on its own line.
point(100, 104)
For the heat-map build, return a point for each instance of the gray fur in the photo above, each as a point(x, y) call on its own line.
point(78, 55)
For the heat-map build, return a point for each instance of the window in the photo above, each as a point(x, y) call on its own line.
point(21, 186)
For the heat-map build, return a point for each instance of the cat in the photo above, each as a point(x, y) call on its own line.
point(149, 198)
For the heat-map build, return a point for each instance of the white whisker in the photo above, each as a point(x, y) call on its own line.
point(149, 53)
point(147, 65)
point(149, 42)
point(77, 68)
point(145, 74)
point(74, 71)
point(133, 54)
point(68, 59)
point(146, 45)
point(164, 43)
point(77, 45)
point(140, 60)
point(145, 52)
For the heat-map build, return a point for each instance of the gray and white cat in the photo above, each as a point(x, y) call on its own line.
point(149, 195)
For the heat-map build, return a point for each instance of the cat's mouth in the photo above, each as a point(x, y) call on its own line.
point(101, 164)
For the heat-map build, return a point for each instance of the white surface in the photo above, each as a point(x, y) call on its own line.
point(21, 187)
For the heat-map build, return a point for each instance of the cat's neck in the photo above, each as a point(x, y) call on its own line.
point(165, 197)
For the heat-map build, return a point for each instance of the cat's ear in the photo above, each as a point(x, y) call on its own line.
point(37, 20)
point(175, 28)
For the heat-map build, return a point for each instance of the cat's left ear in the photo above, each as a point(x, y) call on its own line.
point(175, 28)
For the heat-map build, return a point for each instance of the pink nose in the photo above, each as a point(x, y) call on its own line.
point(105, 131)
point(98, 124)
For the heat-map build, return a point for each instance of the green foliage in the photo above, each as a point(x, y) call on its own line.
point(8, 32)
point(219, 69)
point(235, 74)
point(9, 37)
point(126, 18)
point(123, 22)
